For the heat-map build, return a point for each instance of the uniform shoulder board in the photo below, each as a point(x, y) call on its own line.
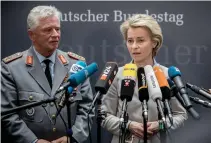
point(75, 56)
point(13, 57)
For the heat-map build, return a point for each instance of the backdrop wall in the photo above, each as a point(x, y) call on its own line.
point(91, 29)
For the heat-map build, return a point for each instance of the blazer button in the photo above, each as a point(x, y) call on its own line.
point(54, 129)
point(52, 104)
point(30, 97)
point(53, 116)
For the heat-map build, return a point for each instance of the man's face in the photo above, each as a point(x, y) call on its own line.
point(46, 35)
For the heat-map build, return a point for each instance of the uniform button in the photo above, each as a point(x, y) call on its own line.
point(30, 97)
point(53, 116)
point(54, 129)
point(52, 104)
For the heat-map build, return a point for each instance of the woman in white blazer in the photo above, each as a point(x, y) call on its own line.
point(143, 37)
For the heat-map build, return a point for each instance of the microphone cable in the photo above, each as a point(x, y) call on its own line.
point(68, 141)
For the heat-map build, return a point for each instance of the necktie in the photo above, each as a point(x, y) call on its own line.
point(47, 71)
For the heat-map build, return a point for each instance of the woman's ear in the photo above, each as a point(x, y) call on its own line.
point(154, 44)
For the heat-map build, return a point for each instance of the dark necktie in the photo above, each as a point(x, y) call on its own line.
point(47, 71)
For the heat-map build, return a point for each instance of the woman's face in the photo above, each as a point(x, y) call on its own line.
point(140, 44)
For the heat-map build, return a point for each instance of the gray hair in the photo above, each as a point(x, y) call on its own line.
point(143, 20)
point(39, 12)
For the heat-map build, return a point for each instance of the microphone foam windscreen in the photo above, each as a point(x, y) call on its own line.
point(106, 78)
point(142, 85)
point(173, 72)
point(128, 83)
point(78, 66)
point(152, 83)
point(130, 71)
point(82, 75)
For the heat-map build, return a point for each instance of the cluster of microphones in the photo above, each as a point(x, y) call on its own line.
point(152, 83)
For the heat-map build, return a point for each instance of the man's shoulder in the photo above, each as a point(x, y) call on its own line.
point(14, 57)
point(72, 56)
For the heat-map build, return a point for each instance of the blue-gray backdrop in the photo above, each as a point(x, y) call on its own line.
point(91, 29)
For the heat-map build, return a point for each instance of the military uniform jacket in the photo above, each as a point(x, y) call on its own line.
point(23, 81)
point(112, 104)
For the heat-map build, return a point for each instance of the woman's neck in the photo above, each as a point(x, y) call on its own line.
point(144, 63)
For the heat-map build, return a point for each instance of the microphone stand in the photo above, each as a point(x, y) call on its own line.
point(123, 121)
point(68, 104)
point(38, 103)
point(163, 131)
point(145, 121)
point(100, 114)
point(199, 101)
point(19, 108)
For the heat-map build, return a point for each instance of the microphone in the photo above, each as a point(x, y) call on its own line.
point(199, 90)
point(175, 75)
point(127, 90)
point(78, 66)
point(75, 79)
point(143, 91)
point(154, 90)
point(174, 92)
point(198, 100)
point(105, 80)
point(128, 82)
point(165, 90)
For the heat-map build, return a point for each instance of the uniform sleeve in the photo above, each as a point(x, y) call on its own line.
point(80, 127)
point(14, 127)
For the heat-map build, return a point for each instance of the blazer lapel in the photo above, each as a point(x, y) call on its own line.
point(61, 70)
point(36, 71)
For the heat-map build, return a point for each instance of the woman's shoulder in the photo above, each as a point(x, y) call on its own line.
point(165, 70)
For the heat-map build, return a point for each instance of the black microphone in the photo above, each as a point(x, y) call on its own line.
point(143, 91)
point(105, 80)
point(175, 75)
point(154, 90)
point(165, 90)
point(199, 90)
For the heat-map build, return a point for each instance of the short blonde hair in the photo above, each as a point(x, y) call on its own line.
point(143, 20)
point(41, 12)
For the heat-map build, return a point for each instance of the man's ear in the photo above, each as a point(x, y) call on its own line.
point(31, 35)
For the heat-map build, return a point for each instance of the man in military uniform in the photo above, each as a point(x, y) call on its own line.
point(36, 74)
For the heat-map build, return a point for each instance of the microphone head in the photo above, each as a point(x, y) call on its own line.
point(127, 89)
point(82, 75)
point(163, 83)
point(81, 63)
point(130, 71)
point(173, 72)
point(152, 83)
point(106, 78)
point(142, 85)
point(78, 66)
point(128, 83)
